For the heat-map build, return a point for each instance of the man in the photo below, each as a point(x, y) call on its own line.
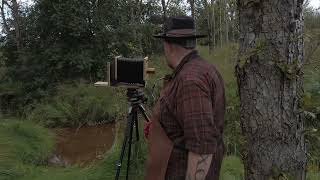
point(185, 138)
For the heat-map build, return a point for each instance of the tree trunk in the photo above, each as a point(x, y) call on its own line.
point(207, 9)
point(3, 16)
point(213, 24)
point(270, 85)
point(192, 8)
point(17, 23)
point(220, 23)
point(226, 19)
point(210, 23)
point(232, 19)
point(164, 10)
point(136, 15)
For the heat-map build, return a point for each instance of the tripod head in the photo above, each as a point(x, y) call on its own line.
point(135, 96)
point(135, 100)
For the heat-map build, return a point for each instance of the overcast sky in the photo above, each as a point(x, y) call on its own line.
point(315, 3)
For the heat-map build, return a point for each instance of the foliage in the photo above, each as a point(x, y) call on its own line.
point(77, 105)
point(72, 40)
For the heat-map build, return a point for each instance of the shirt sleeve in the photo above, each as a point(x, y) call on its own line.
point(195, 111)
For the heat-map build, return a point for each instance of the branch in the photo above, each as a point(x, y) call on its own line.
point(167, 4)
point(6, 3)
point(5, 24)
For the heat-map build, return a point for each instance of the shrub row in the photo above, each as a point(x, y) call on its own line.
point(77, 105)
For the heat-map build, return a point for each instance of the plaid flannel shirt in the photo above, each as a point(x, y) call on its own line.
point(192, 107)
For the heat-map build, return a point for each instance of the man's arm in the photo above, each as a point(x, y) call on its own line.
point(196, 112)
point(198, 166)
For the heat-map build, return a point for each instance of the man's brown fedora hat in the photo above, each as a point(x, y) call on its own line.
point(179, 27)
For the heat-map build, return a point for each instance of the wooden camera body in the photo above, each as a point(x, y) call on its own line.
point(127, 72)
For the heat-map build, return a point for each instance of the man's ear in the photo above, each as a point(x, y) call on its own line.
point(171, 46)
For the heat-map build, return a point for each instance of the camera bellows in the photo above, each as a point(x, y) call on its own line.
point(130, 71)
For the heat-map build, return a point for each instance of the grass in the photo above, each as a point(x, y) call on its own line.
point(224, 59)
point(232, 168)
point(22, 143)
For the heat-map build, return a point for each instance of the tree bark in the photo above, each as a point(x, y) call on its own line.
point(270, 82)
point(17, 23)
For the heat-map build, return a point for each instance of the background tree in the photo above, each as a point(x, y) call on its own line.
point(217, 19)
point(12, 24)
point(270, 85)
point(192, 8)
point(73, 40)
point(164, 8)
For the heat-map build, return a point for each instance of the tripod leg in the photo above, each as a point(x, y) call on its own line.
point(123, 148)
point(131, 123)
point(137, 125)
point(143, 111)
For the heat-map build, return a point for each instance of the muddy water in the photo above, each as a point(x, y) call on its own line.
point(84, 145)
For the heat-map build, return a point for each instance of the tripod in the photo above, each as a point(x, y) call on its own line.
point(135, 101)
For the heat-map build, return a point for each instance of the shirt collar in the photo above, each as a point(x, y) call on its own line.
point(184, 61)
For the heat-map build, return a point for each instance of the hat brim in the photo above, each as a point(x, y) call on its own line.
point(165, 36)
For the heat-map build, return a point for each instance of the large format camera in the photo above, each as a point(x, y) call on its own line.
point(127, 72)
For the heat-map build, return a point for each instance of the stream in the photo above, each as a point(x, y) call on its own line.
point(82, 145)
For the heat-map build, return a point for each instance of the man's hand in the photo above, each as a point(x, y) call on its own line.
point(198, 166)
point(146, 129)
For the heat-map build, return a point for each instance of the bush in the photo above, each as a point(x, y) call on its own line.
point(9, 96)
point(79, 105)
